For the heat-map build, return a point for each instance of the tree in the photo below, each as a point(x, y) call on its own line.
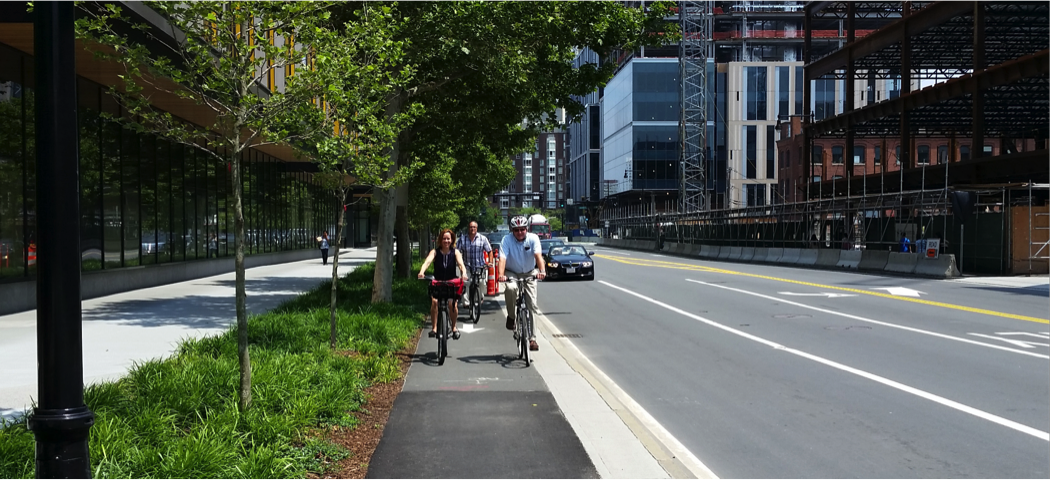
point(353, 136)
point(221, 56)
point(483, 67)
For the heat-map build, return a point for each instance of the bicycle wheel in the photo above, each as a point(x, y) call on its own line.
point(442, 336)
point(475, 302)
point(526, 332)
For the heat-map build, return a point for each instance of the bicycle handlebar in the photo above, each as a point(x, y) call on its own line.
point(519, 280)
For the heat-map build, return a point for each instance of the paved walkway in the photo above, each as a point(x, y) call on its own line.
point(139, 325)
point(481, 415)
point(484, 414)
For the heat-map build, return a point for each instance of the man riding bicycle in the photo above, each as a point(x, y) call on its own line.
point(473, 247)
point(521, 257)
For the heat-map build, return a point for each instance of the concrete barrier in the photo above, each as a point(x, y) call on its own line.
point(683, 249)
point(725, 252)
point(849, 259)
point(807, 256)
point(710, 252)
point(941, 267)
point(774, 255)
point(671, 247)
point(790, 256)
point(827, 257)
point(901, 262)
point(734, 253)
point(693, 250)
point(760, 254)
point(873, 260)
point(747, 254)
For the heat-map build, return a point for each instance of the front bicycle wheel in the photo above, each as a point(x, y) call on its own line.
point(442, 336)
point(475, 303)
point(525, 317)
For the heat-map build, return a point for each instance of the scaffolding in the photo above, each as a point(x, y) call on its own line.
point(695, 56)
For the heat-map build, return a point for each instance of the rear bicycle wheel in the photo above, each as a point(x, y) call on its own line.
point(442, 336)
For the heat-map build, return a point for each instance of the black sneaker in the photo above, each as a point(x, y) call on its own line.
point(455, 334)
point(510, 323)
point(432, 334)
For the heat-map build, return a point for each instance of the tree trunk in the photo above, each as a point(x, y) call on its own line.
point(382, 281)
point(404, 243)
point(245, 391)
point(335, 266)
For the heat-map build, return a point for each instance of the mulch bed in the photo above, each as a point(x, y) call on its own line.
point(363, 440)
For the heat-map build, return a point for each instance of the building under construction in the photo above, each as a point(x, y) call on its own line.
point(940, 133)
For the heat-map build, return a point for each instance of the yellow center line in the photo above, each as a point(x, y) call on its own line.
point(698, 268)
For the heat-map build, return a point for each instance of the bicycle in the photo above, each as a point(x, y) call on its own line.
point(474, 296)
point(524, 325)
point(443, 291)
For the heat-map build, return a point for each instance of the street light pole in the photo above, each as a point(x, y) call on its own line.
point(60, 421)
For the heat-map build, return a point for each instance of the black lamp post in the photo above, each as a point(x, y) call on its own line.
point(60, 421)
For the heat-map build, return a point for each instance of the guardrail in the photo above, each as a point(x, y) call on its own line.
point(943, 266)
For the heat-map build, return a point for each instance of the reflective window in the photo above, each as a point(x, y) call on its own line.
point(859, 154)
point(755, 93)
point(655, 93)
point(923, 155)
point(836, 155)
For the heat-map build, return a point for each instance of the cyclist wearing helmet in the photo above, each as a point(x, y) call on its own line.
point(520, 256)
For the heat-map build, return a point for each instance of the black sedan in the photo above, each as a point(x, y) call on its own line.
point(569, 261)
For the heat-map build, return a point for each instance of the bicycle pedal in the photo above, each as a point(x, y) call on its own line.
point(516, 336)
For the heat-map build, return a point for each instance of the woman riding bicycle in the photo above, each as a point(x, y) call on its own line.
point(446, 258)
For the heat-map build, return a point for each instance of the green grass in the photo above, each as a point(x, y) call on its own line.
point(178, 417)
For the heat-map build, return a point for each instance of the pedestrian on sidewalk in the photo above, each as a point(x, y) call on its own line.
point(323, 244)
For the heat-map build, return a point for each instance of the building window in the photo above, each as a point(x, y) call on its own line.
point(783, 92)
point(755, 95)
point(816, 178)
point(750, 152)
point(924, 155)
point(771, 143)
point(755, 195)
point(504, 202)
point(823, 98)
point(897, 154)
point(878, 155)
point(942, 154)
point(858, 155)
point(987, 150)
point(964, 152)
point(836, 155)
point(818, 155)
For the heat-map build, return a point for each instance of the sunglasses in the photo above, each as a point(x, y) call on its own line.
point(518, 229)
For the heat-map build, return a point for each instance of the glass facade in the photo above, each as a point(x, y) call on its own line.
point(755, 93)
point(145, 200)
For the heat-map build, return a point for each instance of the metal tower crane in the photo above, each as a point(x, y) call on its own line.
point(695, 52)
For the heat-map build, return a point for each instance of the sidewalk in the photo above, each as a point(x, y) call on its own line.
point(129, 327)
point(484, 414)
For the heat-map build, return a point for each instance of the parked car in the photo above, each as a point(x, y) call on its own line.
point(545, 245)
point(567, 261)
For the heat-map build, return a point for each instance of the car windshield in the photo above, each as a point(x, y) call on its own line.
point(561, 250)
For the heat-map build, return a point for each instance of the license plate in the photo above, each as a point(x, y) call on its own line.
point(570, 270)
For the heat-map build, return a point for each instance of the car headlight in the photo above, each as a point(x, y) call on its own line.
point(552, 264)
point(587, 264)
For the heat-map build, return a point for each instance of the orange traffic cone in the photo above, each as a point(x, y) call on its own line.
point(31, 260)
point(490, 288)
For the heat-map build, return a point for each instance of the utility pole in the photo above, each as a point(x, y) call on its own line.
point(60, 421)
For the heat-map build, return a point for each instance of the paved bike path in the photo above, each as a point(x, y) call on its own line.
point(483, 414)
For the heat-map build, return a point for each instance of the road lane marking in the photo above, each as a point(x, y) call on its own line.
point(820, 294)
point(876, 322)
point(1019, 343)
point(698, 268)
point(861, 373)
point(901, 291)
point(671, 455)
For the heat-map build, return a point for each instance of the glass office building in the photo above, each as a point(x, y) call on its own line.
point(145, 200)
point(640, 127)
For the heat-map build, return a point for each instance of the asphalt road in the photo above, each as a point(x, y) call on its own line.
point(773, 372)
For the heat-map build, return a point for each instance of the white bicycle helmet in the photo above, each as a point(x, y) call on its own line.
point(519, 221)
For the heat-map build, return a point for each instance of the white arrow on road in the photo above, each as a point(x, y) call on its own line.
point(821, 294)
point(469, 328)
point(901, 291)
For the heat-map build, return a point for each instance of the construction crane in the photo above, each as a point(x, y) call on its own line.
point(695, 53)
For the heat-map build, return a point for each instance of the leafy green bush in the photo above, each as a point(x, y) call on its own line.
point(178, 417)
